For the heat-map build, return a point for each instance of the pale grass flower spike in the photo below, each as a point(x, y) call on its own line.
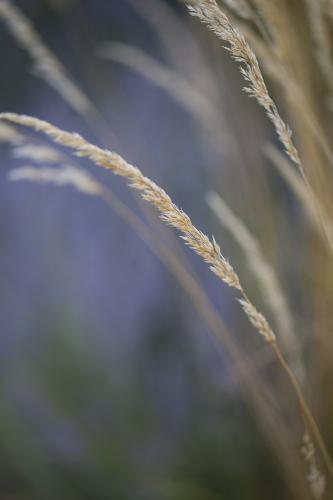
point(210, 14)
point(208, 249)
point(66, 175)
point(250, 31)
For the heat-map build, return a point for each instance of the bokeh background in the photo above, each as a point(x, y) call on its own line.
point(113, 384)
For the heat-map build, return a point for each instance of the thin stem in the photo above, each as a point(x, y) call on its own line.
point(305, 408)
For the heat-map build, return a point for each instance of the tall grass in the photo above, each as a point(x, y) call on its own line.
point(258, 30)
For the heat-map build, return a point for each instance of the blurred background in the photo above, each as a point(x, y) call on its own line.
point(119, 367)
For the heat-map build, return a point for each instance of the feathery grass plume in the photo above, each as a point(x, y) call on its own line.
point(170, 213)
point(62, 176)
point(297, 74)
point(209, 13)
point(295, 94)
point(315, 477)
point(262, 271)
point(46, 64)
point(279, 66)
point(258, 395)
point(38, 153)
point(193, 237)
point(87, 184)
point(286, 80)
point(84, 182)
point(258, 320)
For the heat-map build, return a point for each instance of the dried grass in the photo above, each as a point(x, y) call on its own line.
point(170, 213)
point(265, 24)
point(64, 176)
point(209, 13)
point(258, 395)
point(207, 249)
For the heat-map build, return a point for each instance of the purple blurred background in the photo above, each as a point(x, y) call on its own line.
point(112, 385)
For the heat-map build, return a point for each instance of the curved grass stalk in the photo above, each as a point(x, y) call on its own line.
point(210, 14)
point(206, 248)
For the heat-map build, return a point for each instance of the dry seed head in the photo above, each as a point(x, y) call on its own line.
point(209, 250)
point(209, 13)
point(174, 216)
point(65, 175)
point(258, 321)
